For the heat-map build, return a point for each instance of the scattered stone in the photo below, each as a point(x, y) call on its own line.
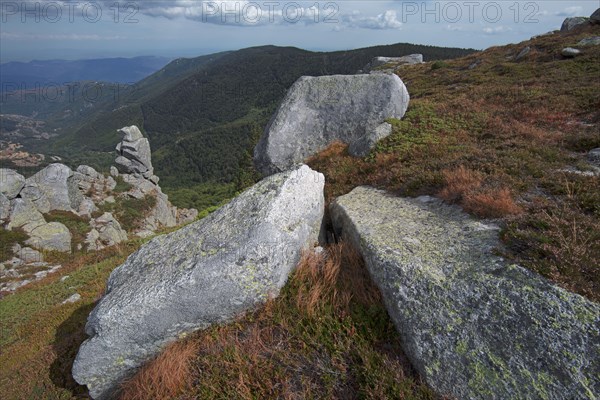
point(475, 64)
point(72, 299)
point(133, 153)
point(472, 324)
point(11, 183)
point(64, 278)
point(571, 23)
point(545, 34)
point(523, 53)
point(114, 172)
point(205, 273)
point(570, 52)
point(590, 41)
point(320, 110)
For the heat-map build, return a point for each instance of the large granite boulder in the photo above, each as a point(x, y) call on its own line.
point(133, 153)
point(24, 214)
point(205, 273)
point(571, 23)
point(320, 110)
point(473, 325)
point(53, 185)
point(11, 183)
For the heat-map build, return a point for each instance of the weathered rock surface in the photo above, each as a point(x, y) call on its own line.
point(50, 236)
point(474, 326)
point(593, 157)
point(23, 214)
point(204, 273)
point(53, 185)
point(106, 231)
point(523, 53)
point(4, 208)
point(11, 183)
point(133, 153)
point(320, 110)
point(590, 41)
point(571, 23)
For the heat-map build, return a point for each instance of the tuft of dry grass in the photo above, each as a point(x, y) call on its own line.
point(165, 377)
point(459, 182)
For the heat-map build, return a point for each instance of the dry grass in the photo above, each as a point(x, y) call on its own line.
point(326, 336)
point(459, 183)
point(165, 377)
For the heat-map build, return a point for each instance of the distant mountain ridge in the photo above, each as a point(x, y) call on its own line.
point(27, 75)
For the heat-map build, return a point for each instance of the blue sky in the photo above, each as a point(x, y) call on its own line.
point(46, 29)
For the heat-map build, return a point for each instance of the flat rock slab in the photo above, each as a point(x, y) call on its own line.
point(473, 325)
point(205, 273)
point(320, 110)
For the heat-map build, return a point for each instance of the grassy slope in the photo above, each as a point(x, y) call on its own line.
point(494, 139)
point(469, 135)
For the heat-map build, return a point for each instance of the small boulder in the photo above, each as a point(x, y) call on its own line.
point(205, 273)
point(114, 172)
point(474, 325)
point(11, 183)
point(29, 255)
point(23, 214)
point(571, 23)
point(570, 52)
point(320, 110)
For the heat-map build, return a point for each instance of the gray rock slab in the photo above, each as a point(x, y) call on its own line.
point(474, 325)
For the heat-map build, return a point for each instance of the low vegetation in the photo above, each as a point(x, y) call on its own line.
point(326, 336)
point(504, 140)
point(129, 211)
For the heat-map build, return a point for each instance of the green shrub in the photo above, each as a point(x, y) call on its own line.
point(439, 64)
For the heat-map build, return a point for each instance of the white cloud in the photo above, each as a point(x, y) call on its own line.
point(385, 20)
point(496, 30)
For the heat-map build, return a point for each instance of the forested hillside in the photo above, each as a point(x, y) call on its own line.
point(203, 116)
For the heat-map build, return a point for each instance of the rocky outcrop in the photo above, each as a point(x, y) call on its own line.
point(11, 183)
point(473, 325)
point(133, 153)
point(205, 273)
point(570, 24)
point(394, 62)
point(320, 110)
point(106, 231)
